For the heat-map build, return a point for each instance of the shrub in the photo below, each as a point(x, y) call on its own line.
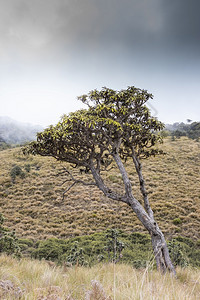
point(178, 253)
point(8, 241)
point(177, 221)
point(114, 247)
point(105, 246)
point(49, 250)
point(16, 171)
point(139, 264)
point(27, 167)
point(76, 256)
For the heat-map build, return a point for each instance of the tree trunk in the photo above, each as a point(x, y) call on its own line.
point(159, 245)
point(161, 253)
point(145, 215)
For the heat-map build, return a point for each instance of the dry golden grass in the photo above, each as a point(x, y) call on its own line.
point(34, 280)
point(33, 205)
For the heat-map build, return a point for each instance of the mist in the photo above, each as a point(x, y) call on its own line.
point(13, 132)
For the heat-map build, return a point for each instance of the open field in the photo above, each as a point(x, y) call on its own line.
point(32, 201)
point(34, 280)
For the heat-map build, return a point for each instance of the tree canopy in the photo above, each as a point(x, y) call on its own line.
point(114, 121)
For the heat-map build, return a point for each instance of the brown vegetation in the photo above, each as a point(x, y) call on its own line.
point(36, 280)
point(34, 207)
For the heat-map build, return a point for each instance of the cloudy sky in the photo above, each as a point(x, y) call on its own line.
point(52, 51)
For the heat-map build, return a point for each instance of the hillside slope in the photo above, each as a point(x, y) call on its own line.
point(31, 199)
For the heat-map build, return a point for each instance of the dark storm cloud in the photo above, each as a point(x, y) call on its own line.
point(53, 48)
point(182, 23)
point(183, 19)
point(61, 25)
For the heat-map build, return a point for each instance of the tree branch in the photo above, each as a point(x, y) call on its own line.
point(69, 188)
point(78, 180)
point(75, 181)
point(138, 168)
point(107, 191)
point(127, 183)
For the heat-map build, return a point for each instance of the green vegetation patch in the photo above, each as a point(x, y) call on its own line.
point(111, 246)
point(8, 240)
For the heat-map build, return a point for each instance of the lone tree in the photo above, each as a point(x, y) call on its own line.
point(116, 126)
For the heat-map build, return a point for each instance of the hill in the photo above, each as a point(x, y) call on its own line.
point(13, 132)
point(31, 195)
point(191, 130)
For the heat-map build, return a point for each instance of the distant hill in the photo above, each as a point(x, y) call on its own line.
point(191, 130)
point(13, 132)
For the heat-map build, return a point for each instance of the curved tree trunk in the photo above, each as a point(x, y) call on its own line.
point(144, 214)
point(159, 245)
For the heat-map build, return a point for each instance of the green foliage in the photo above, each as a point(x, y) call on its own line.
point(27, 168)
point(138, 250)
point(140, 238)
point(76, 256)
point(140, 264)
point(177, 221)
point(178, 254)
point(177, 134)
point(114, 246)
point(164, 133)
point(192, 250)
point(92, 249)
point(88, 250)
point(26, 247)
point(8, 241)
point(50, 249)
point(4, 146)
point(192, 130)
point(16, 171)
point(113, 119)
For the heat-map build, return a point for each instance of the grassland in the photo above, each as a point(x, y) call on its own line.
point(38, 280)
point(33, 204)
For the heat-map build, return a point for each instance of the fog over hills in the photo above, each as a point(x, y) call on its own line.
point(14, 132)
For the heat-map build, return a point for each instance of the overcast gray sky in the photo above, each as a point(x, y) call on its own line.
point(52, 51)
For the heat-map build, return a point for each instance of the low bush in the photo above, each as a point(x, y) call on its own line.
point(177, 221)
point(8, 241)
point(16, 171)
point(112, 245)
point(48, 250)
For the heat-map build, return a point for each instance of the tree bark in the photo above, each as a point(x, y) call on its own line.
point(143, 190)
point(161, 253)
point(159, 245)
